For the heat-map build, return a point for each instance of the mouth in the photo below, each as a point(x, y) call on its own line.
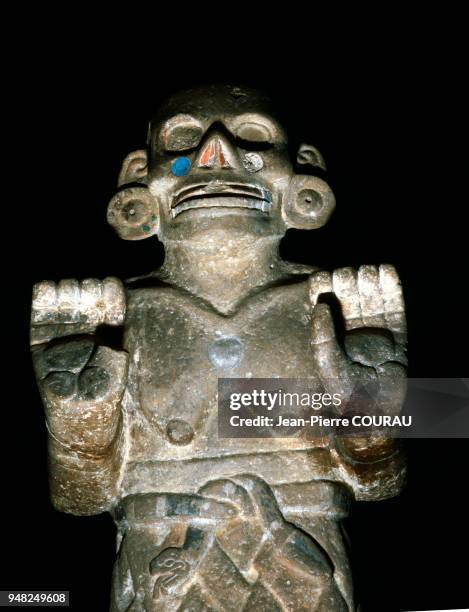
point(222, 195)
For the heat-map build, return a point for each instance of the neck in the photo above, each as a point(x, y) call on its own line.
point(222, 271)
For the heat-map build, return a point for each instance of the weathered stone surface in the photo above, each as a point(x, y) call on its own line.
point(206, 523)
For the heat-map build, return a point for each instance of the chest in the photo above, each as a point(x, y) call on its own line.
point(179, 347)
point(172, 337)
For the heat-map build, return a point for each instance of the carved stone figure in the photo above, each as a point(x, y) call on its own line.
point(206, 523)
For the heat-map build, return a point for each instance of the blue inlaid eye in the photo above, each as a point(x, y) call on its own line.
point(181, 166)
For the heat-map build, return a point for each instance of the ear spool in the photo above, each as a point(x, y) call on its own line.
point(133, 213)
point(308, 204)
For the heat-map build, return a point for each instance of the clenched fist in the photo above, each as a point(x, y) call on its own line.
point(373, 349)
point(81, 383)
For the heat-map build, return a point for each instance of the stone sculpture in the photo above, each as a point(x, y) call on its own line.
point(206, 523)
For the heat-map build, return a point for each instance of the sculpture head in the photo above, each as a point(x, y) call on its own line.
point(217, 159)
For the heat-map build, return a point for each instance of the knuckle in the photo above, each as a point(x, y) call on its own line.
point(94, 383)
point(91, 290)
point(44, 302)
point(44, 294)
point(368, 281)
point(68, 291)
point(60, 385)
point(344, 279)
point(390, 283)
point(113, 300)
point(369, 348)
point(70, 355)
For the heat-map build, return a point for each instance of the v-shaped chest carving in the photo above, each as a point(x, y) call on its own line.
point(179, 347)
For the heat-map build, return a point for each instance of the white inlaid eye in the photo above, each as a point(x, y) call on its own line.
point(253, 162)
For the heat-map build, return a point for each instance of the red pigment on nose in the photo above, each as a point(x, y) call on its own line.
point(223, 162)
point(208, 155)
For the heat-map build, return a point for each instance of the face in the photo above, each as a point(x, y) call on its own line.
point(218, 161)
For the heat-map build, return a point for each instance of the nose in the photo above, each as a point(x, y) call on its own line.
point(217, 152)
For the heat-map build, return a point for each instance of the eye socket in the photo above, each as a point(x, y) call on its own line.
point(182, 138)
point(247, 145)
point(254, 133)
point(181, 133)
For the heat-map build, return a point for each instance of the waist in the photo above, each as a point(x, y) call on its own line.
point(188, 475)
point(316, 498)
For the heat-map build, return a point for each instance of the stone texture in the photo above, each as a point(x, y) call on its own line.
point(206, 523)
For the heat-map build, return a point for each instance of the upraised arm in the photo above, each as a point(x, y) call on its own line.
point(373, 352)
point(82, 384)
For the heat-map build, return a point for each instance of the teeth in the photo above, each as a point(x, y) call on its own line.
point(261, 205)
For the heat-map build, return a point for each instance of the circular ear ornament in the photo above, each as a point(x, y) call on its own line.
point(133, 213)
point(309, 202)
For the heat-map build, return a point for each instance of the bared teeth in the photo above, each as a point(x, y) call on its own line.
point(238, 202)
point(234, 196)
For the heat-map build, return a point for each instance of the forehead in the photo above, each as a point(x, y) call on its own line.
point(215, 103)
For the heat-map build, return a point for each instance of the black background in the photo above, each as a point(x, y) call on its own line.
point(388, 122)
